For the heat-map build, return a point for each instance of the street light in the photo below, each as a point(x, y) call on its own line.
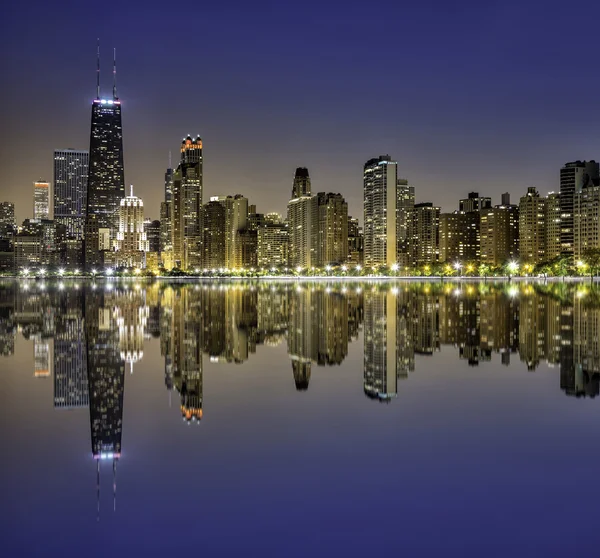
point(42, 271)
point(344, 267)
point(26, 271)
point(395, 267)
point(458, 266)
point(61, 271)
point(109, 271)
point(358, 267)
point(328, 268)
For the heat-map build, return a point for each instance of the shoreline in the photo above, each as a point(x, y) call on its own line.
point(305, 278)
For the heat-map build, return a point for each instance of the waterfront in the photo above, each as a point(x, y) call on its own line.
point(294, 418)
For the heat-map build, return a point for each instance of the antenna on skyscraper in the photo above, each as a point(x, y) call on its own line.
point(98, 70)
point(115, 74)
point(170, 159)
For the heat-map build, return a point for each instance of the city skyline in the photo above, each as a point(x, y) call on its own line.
point(484, 130)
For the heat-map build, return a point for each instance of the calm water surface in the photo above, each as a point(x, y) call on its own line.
point(299, 419)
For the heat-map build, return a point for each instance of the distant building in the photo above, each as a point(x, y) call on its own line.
point(586, 222)
point(552, 221)
point(41, 200)
point(236, 220)
point(355, 242)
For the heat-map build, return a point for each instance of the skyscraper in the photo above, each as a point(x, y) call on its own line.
point(8, 226)
point(301, 214)
point(186, 206)
point(41, 200)
point(380, 216)
point(586, 221)
point(553, 226)
point(574, 177)
point(71, 169)
point(106, 179)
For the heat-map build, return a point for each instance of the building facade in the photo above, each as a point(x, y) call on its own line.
point(131, 237)
point(41, 200)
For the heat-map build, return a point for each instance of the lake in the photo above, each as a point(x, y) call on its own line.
point(286, 418)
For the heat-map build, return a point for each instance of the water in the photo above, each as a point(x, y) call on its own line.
point(299, 419)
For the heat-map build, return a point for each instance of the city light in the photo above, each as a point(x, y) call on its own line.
point(358, 267)
point(344, 268)
point(458, 266)
point(513, 267)
point(25, 271)
point(61, 271)
point(395, 267)
point(42, 271)
point(109, 271)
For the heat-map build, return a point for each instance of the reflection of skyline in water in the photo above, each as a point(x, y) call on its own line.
point(87, 335)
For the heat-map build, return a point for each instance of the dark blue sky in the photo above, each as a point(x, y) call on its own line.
point(493, 97)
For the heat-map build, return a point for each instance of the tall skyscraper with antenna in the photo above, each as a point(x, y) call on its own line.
point(106, 180)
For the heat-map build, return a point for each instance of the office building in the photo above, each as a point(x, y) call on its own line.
point(41, 200)
point(355, 242)
point(153, 234)
point(71, 169)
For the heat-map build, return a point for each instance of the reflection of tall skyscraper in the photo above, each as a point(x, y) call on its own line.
point(380, 348)
point(106, 376)
point(71, 168)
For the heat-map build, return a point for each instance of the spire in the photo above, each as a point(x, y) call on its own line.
point(131, 190)
point(98, 69)
point(115, 74)
point(170, 163)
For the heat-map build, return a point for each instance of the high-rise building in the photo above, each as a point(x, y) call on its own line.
point(331, 230)
point(71, 169)
point(449, 237)
point(301, 216)
point(214, 235)
point(106, 179)
point(532, 227)
point(586, 221)
point(425, 234)
point(41, 200)
point(574, 176)
point(380, 211)
point(272, 245)
point(131, 238)
point(236, 220)
point(498, 240)
point(552, 220)
point(186, 209)
point(247, 241)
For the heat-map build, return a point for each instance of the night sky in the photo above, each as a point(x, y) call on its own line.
point(488, 96)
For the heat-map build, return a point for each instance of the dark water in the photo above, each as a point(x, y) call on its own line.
point(299, 419)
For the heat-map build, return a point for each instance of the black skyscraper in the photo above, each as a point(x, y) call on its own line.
point(106, 181)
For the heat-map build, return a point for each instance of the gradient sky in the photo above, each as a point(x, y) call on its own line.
point(491, 96)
